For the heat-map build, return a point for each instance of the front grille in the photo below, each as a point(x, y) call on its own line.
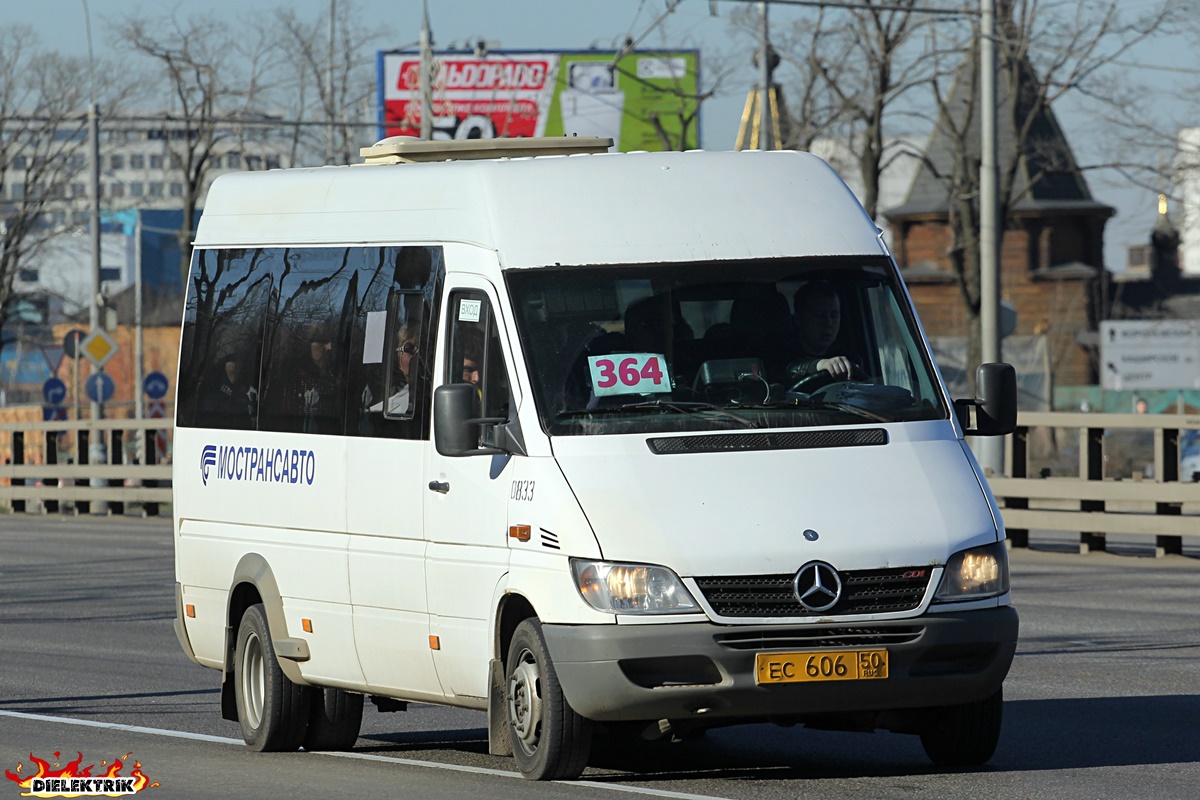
point(819, 637)
point(872, 591)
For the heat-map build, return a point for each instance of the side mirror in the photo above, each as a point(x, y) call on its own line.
point(455, 411)
point(996, 406)
point(458, 430)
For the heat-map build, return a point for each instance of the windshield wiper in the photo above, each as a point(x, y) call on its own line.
point(823, 405)
point(689, 407)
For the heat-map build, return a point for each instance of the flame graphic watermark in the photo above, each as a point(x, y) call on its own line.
point(73, 780)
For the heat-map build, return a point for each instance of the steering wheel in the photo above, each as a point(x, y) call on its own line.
point(817, 380)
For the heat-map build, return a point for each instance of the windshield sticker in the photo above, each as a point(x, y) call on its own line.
point(468, 310)
point(629, 373)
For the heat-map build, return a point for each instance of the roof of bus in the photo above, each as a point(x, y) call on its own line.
point(615, 208)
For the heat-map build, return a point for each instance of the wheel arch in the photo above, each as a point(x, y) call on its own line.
point(254, 582)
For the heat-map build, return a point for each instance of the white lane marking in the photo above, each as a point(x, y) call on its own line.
point(204, 737)
point(116, 726)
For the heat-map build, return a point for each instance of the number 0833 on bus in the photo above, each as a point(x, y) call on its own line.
point(828, 665)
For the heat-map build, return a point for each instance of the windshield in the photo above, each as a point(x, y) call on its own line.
point(722, 345)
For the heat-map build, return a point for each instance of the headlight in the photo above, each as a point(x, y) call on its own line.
point(631, 588)
point(974, 574)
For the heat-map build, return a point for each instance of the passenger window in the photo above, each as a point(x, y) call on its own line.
point(223, 328)
point(305, 390)
point(389, 385)
point(476, 353)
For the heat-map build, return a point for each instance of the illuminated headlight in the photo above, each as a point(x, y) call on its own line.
point(631, 588)
point(974, 574)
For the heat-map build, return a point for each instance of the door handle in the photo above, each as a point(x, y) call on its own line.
point(439, 486)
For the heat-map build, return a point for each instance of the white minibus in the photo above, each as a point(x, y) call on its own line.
point(647, 442)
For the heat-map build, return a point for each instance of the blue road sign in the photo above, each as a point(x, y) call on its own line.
point(155, 385)
point(54, 390)
point(100, 387)
point(53, 413)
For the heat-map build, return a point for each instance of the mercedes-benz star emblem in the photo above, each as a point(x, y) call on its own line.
point(818, 586)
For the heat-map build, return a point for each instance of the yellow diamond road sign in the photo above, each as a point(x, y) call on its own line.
point(98, 347)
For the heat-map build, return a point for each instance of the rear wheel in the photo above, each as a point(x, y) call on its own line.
point(272, 711)
point(549, 740)
point(335, 720)
point(965, 735)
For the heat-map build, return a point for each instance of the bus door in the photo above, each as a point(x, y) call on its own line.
point(466, 505)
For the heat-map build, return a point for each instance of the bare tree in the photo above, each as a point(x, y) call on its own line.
point(851, 71)
point(42, 138)
point(1046, 51)
point(215, 78)
point(332, 84)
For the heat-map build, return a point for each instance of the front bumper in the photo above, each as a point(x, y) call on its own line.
point(701, 670)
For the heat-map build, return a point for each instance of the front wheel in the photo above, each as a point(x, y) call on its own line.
point(550, 741)
point(965, 735)
point(272, 711)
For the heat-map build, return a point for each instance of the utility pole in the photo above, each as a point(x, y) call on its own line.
point(329, 87)
point(426, 45)
point(97, 451)
point(766, 132)
point(990, 448)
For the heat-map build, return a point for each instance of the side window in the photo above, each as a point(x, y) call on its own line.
point(229, 292)
point(389, 388)
point(476, 354)
point(305, 386)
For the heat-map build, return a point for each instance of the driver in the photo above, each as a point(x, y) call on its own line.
point(818, 319)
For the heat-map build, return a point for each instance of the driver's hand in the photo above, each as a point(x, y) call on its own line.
point(837, 366)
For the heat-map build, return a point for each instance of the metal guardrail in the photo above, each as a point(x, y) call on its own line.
point(82, 487)
point(1090, 502)
point(1093, 503)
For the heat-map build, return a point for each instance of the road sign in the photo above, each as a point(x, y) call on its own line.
point(98, 348)
point(1160, 354)
point(54, 390)
point(155, 385)
point(53, 413)
point(99, 387)
point(71, 342)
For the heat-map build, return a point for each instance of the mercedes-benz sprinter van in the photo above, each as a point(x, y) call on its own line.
point(648, 441)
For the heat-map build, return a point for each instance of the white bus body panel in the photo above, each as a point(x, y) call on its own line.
point(915, 501)
point(591, 209)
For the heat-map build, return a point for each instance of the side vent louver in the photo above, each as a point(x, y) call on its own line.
point(549, 539)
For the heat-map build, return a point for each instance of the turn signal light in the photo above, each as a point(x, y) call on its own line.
point(519, 532)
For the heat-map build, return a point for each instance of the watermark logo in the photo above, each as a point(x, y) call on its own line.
point(73, 780)
point(208, 458)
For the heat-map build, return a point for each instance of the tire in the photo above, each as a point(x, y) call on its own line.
point(549, 740)
point(272, 711)
point(964, 735)
point(334, 721)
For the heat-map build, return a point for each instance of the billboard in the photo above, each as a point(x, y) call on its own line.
point(643, 100)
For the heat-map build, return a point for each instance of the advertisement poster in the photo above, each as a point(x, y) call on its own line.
point(643, 100)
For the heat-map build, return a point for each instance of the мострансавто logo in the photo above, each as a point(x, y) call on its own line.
point(258, 464)
point(75, 781)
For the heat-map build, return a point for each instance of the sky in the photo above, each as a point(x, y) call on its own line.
point(583, 24)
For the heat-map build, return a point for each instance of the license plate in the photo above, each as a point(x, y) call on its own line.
point(821, 665)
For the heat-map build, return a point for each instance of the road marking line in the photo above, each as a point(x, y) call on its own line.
point(116, 726)
point(204, 737)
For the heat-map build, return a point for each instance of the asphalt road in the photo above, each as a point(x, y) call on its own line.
point(1102, 700)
